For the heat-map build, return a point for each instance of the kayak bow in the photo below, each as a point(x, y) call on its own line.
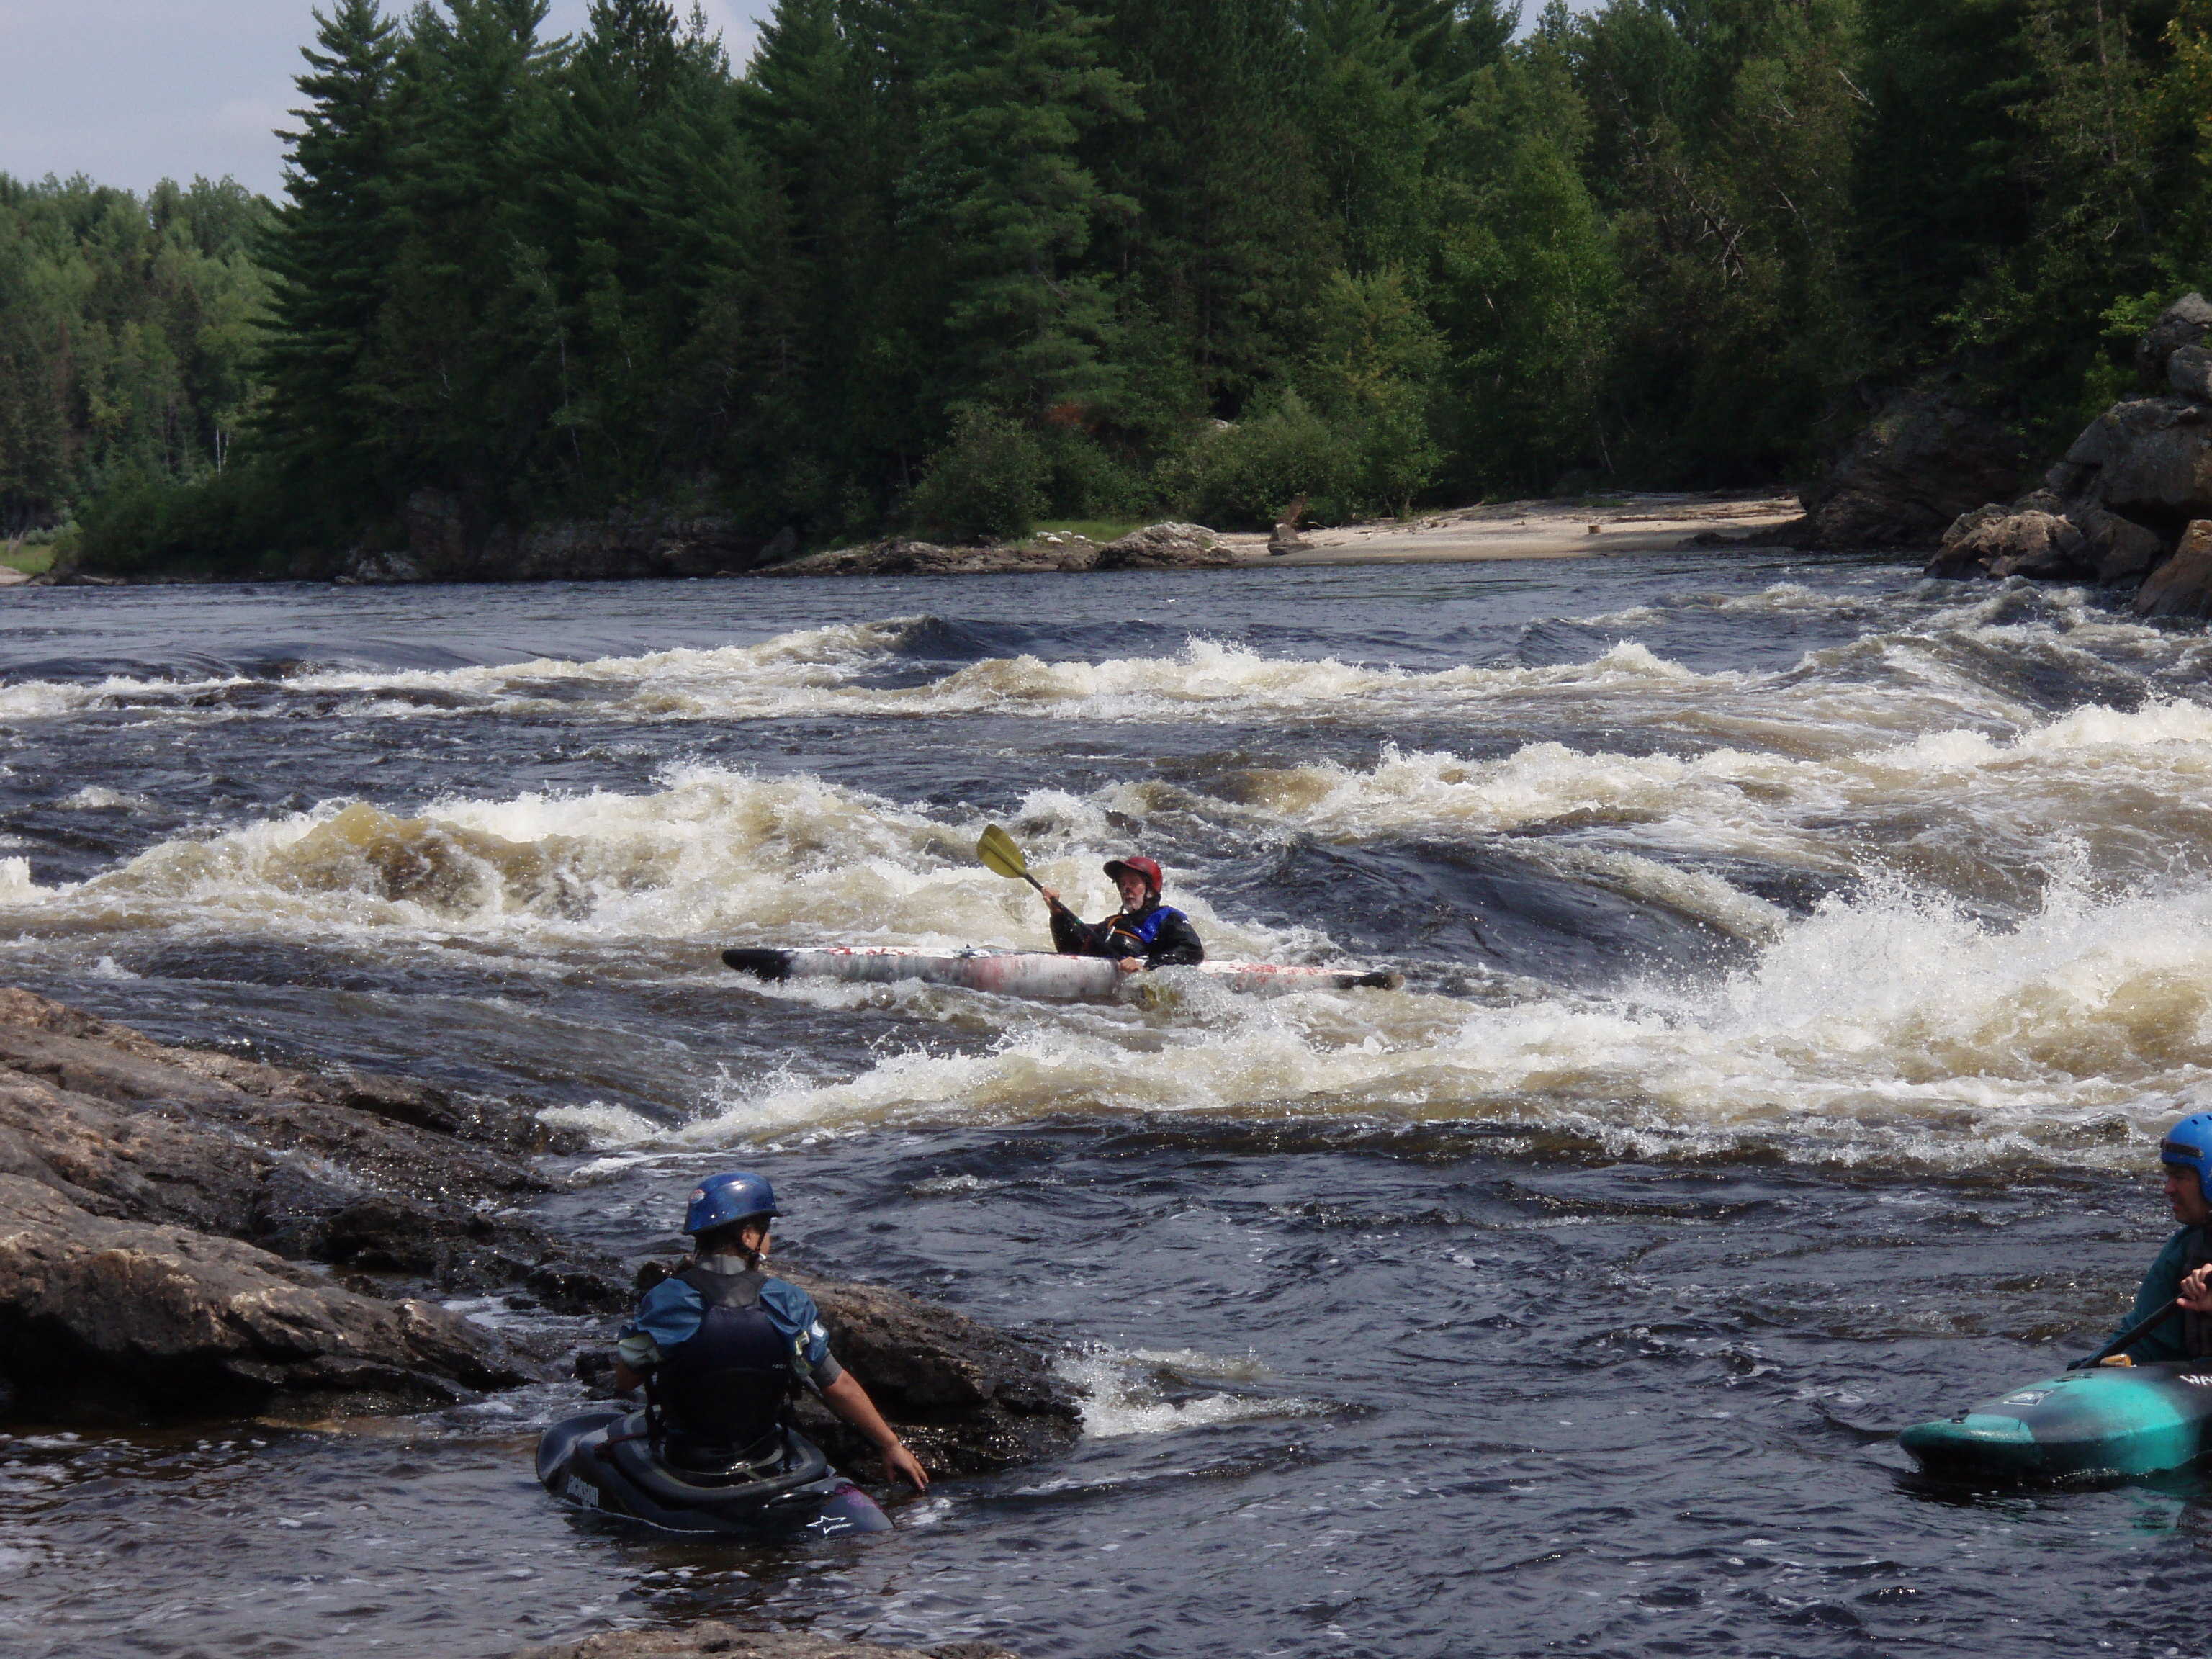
point(2119, 1419)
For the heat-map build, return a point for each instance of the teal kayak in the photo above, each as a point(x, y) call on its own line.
point(2113, 1419)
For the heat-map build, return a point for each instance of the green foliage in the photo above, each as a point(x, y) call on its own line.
point(127, 328)
point(988, 485)
point(1244, 477)
point(964, 263)
point(234, 523)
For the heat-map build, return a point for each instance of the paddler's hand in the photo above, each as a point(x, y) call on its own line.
point(1051, 898)
point(900, 1464)
point(2117, 1359)
point(1129, 964)
point(2196, 1291)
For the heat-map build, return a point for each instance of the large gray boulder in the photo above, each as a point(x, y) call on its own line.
point(2182, 587)
point(1910, 472)
point(2148, 456)
point(2186, 322)
point(127, 1319)
point(1160, 546)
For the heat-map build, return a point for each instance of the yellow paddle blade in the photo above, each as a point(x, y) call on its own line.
point(999, 854)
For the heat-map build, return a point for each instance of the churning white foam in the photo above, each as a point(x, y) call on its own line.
point(822, 671)
point(1892, 1028)
point(1122, 1392)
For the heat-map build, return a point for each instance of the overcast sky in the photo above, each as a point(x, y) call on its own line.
point(131, 91)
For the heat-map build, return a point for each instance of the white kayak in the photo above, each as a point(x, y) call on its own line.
point(1024, 973)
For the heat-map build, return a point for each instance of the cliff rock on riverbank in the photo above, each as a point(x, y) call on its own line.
point(191, 1233)
point(2131, 498)
point(1921, 461)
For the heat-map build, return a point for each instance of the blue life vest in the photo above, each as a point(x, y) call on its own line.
point(1145, 928)
point(721, 1393)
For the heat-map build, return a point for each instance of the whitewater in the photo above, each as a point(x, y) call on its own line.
point(1792, 948)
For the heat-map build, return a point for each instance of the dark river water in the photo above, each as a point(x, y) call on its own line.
point(1801, 959)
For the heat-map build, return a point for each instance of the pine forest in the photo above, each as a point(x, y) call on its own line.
point(959, 266)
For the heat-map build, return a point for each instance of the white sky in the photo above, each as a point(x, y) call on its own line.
point(132, 91)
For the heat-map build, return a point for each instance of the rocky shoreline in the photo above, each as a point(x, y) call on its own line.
point(2130, 501)
point(625, 548)
point(190, 1234)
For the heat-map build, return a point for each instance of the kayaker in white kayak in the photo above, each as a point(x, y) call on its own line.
point(1145, 933)
point(2180, 1277)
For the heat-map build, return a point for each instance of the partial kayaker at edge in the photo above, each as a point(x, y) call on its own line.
point(1143, 934)
point(2180, 1280)
point(2141, 1403)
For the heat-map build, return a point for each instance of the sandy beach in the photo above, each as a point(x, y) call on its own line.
point(1538, 530)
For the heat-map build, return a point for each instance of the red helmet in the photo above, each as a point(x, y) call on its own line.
point(1137, 867)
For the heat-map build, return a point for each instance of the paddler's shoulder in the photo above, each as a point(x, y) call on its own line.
point(786, 1300)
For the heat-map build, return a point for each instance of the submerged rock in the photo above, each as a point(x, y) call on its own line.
point(129, 1320)
point(727, 1641)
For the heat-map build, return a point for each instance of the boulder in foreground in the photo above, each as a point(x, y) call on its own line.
point(133, 1320)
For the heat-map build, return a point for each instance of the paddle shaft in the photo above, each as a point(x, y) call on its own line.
point(2128, 1338)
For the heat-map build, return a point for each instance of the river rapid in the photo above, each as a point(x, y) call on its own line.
point(1801, 959)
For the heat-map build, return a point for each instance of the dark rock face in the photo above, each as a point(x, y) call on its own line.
point(726, 1642)
point(2182, 587)
point(965, 1398)
point(2113, 508)
point(446, 543)
point(1918, 465)
point(133, 1321)
point(2185, 322)
point(2149, 457)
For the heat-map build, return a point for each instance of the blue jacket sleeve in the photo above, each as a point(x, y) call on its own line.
point(800, 1321)
point(2160, 1287)
point(668, 1313)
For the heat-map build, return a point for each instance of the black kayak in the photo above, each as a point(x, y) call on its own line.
point(604, 1461)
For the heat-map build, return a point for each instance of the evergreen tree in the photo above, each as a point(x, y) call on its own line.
point(1014, 86)
point(329, 258)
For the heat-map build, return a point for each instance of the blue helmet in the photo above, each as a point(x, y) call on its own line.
point(2188, 1145)
point(718, 1200)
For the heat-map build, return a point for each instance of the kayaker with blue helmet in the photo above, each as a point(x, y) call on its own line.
point(721, 1348)
point(2180, 1277)
point(1147, 933)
